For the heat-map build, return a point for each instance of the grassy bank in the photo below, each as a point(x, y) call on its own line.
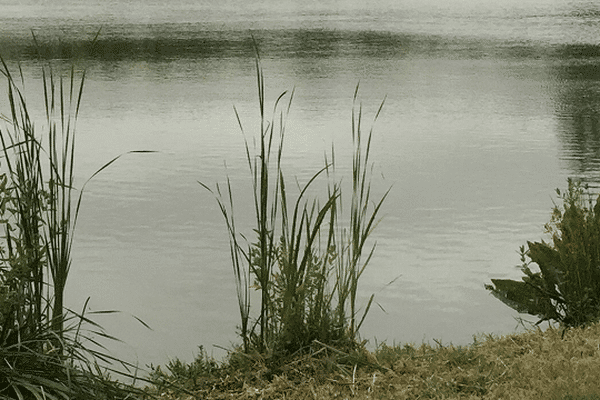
point(533, 365)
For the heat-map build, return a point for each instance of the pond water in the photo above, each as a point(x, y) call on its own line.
point(489, 106)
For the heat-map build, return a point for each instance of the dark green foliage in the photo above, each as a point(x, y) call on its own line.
point(566, 289)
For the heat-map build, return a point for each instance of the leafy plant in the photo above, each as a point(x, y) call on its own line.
point(300, 243)
point(566, 289)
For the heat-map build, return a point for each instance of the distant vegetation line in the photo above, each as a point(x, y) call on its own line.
point(165, 44)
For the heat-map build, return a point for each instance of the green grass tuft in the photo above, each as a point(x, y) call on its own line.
point(306, 255)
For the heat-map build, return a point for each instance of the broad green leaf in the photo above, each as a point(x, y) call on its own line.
point(522, 297)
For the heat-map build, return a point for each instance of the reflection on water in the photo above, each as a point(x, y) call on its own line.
point(578, 113)
point(488, 110)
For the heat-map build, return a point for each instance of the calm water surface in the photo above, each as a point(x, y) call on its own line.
point(489, 108)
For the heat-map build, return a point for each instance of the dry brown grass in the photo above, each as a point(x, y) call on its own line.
point(533, 365)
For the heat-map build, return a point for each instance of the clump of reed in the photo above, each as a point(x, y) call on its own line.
point(308, 252)
point(46, 350)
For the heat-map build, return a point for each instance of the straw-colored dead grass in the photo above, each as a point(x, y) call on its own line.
point(533, 365)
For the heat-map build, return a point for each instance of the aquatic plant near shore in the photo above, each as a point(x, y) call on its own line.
point(45, 351)
point(41, 219)
point(304, 261)
point(566, 289)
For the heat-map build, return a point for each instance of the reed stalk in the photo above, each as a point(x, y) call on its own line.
point(362, 220)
